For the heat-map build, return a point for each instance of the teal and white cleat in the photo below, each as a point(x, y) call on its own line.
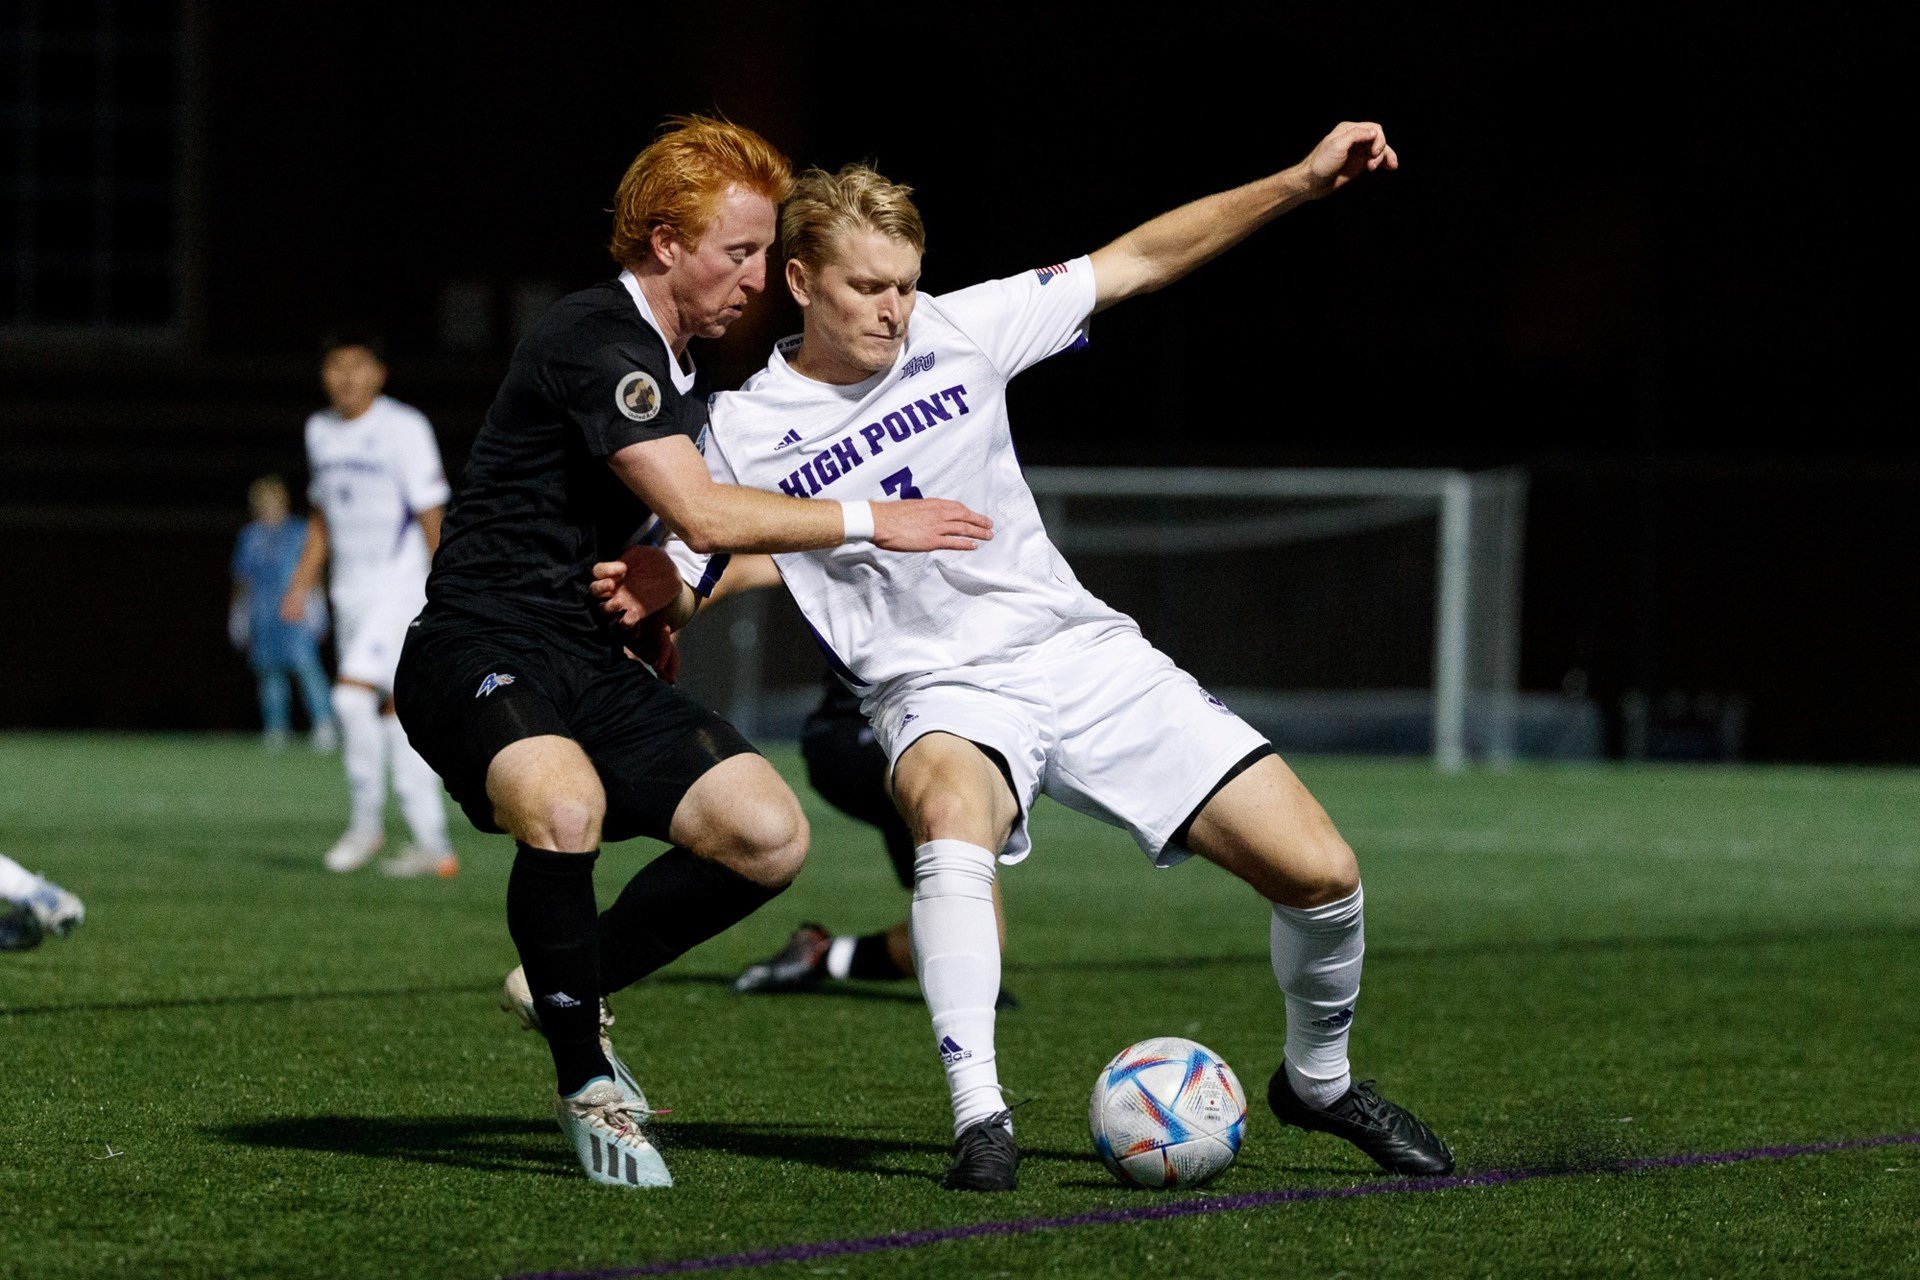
point(603, 1125)
point(58, 911)
point(517, 999)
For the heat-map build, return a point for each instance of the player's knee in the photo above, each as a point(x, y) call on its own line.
point(1326, 872)
point(766, 840)
point(567, 823)
point(947, 813)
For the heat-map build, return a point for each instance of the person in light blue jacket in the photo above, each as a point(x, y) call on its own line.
point(263, 562)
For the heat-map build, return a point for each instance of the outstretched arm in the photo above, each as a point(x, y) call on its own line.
point(1155, 254)
point(673, 479)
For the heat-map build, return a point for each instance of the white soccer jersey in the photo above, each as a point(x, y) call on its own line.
point(372, 477)
point(933, 425)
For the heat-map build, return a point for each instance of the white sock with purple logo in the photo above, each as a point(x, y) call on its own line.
point(363, 751)
point(418, 787)
point(956, 951)
point(1316, 960)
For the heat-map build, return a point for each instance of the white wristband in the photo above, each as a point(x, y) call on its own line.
point(857, 521)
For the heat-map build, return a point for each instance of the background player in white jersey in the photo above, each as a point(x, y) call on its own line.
point(993, 677)
point(376, 496)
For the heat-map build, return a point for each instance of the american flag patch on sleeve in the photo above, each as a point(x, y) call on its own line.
point(1048, 273)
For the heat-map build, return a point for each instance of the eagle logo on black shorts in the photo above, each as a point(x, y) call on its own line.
point(638, 396)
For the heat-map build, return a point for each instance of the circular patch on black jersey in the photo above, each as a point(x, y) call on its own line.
point(638, 396)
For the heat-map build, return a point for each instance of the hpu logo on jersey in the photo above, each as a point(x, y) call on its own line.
point(787, 441)
point(1334, 1021)
point(951, 1052)
point(1048, 273)
point(497, 680)
point(1215, 703)
point(919, 364)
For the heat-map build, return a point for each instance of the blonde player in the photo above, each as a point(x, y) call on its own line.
point(992, 677)
point(376, 496)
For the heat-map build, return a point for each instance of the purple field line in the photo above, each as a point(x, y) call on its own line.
point(1193, 1208)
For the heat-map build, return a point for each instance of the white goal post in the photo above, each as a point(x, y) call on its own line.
point(1340, 560)
point(1480, 517)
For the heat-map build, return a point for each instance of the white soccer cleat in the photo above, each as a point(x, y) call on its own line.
point(517, 998)
point(603, 1125)
point(352, 852)
point(58, 911)
point(413, 861)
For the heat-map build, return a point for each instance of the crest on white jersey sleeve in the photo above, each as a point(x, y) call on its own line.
point(1021, 320)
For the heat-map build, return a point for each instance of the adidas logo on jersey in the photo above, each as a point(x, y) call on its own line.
point(951, 1052)
point(497, 680)
point(791, 438)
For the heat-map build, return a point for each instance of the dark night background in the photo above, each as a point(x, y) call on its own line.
point(1655, 256)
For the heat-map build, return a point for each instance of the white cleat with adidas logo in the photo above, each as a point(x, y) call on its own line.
point(516, 998)
point(603, 1125)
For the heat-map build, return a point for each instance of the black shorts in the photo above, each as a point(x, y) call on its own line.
point(849, 770)
point(467, 688)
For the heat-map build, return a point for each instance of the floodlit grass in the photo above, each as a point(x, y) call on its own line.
point(300, 1074)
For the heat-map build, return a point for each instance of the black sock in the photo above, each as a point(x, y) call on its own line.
point(872, 961)
point(676, 902)
point(551, 918)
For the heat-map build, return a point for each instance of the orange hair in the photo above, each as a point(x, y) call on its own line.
point(678, 180)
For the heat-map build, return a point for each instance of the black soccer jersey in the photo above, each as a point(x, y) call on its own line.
point(538, 505)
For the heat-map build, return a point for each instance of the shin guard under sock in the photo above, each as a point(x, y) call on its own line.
point(550, 914)
point(1316, 960)
point(363, 751)
point(676, 902)
point(956, 949)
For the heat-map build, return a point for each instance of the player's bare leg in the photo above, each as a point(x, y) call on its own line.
point(1267, 829)
point(961, 812)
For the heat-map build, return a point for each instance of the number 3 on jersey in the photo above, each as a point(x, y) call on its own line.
point(900, 484)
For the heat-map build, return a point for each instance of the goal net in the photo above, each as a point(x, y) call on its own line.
point(1336, 610)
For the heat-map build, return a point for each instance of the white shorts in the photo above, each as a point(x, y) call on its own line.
point(369, 626)
point(1095, 717)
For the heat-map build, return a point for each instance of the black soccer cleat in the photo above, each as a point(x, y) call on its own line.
point(984, 1157)
point(798, 966)
point(1399, 1141)
point(20, 928)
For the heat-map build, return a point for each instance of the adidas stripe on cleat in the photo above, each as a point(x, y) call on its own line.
point(604, 1126)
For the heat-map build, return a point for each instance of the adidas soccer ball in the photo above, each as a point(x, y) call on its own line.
point(1167, 1113)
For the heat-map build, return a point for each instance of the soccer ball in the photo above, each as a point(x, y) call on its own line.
point(1167, 1112)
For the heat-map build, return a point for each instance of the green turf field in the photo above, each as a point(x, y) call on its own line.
point(299, 1074)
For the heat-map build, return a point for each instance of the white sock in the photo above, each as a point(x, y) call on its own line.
point(956, 951)
point(418, 787)
point(1316, 960)
point(363, 751)
point(16, 882)
point(840, 956)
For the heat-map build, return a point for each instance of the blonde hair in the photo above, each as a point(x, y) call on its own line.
point(677, 182)
point(824, 204)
